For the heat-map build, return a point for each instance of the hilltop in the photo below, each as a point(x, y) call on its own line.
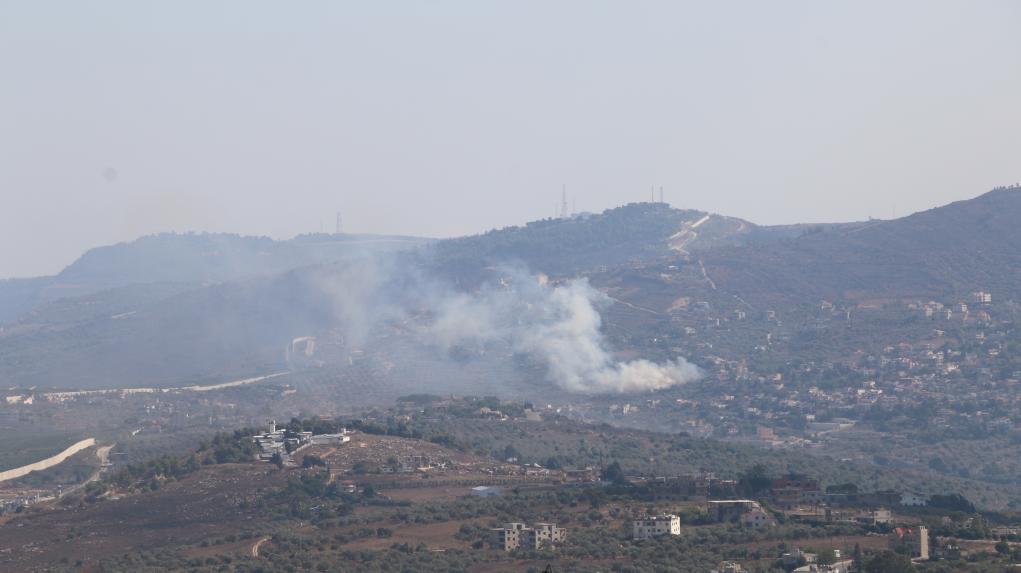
point(959, 248)
point(637, 233)
point(175, 308)
point(231, 312)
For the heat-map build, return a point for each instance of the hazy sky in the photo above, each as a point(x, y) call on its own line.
point(119, 119)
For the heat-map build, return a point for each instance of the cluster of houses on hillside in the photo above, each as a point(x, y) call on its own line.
point(799, 497)
point(955, 350)
point(798, 561)
point(911, 541)
point(692, 485)
point(748, 513)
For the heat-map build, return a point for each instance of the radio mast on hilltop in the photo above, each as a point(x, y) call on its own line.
point(563, 202)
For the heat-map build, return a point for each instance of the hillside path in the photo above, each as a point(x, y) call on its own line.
point(257, 545)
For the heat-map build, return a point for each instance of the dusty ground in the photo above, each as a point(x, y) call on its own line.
point(418, 495)
point(844, 542)
point(379, 451)
point(238, 547)
point(433, 535)
point(973, 546)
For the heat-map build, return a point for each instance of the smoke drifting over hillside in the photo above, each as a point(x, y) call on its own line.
point(556, 326)
point(559, 326)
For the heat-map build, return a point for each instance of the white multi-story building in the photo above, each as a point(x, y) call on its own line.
point(656, 525)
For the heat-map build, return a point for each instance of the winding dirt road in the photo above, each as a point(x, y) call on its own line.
point(257, 545)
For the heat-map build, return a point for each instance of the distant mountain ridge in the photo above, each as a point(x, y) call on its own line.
point(214, 257)
point(186, 259)
point(223, 318)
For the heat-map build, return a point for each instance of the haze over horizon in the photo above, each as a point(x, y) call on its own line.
point(121, 120)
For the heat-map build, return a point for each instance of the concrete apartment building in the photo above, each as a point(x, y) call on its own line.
point(748, 513)
point(655, 526)
point(729, 509)
point(516, 535)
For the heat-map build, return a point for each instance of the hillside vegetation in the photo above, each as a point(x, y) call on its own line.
point(958, 248)
point(218, 307)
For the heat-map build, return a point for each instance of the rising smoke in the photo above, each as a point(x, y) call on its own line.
point(556, 326)
point(559, 326)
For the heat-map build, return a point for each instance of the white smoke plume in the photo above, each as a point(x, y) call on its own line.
point(556, 326)
point(560, 326)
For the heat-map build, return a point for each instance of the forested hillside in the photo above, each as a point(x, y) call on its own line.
point(962, 247)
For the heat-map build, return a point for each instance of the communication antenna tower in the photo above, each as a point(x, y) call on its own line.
point(563, 202)
point(339, 227)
